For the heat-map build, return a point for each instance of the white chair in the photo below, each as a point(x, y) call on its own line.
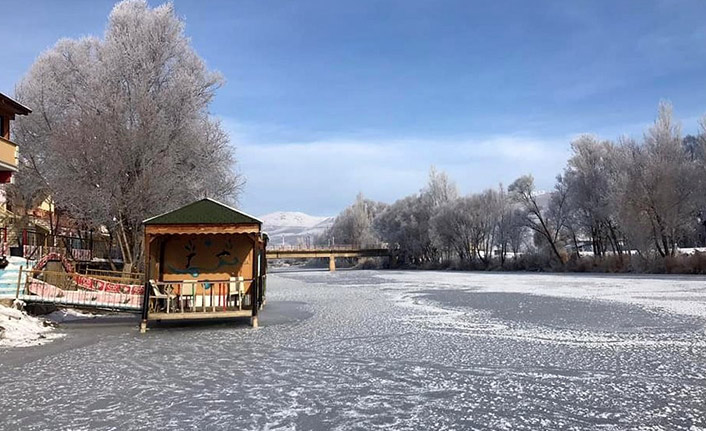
point(236, 288)
point(188, 288)
point(157, 294)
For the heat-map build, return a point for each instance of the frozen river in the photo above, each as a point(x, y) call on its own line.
point(388, 350)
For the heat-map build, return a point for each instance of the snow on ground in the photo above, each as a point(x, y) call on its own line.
point(18, 329)
point(678, 294)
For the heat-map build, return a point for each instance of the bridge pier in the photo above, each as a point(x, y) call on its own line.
point(332, 263)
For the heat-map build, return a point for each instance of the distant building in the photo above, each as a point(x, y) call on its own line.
point(9, 108)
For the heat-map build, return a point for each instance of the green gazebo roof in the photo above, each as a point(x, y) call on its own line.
point(205, 211)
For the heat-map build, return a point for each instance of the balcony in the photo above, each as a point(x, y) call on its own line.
point(8, 158)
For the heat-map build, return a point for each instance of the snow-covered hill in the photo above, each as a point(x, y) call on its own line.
point(294, 228)
point(292, 219)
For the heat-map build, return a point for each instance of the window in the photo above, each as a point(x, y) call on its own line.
point(2, 126)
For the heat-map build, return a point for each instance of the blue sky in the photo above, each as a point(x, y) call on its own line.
point(324, 99)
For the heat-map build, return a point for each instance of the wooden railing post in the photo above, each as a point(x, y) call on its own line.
point(19, 281)
point(145, 306)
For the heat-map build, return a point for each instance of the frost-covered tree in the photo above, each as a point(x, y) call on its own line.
point(404, 226)
point(478, 227)
point(453, 228)
point(354, 226)
point(121, 128)
point(489, 208)
point(537, 218)
point(510, 226)
point(659, 184)
point(695, 147)
point(516, 230)
point(624, 195)
point(590, 178)
point(439, 189)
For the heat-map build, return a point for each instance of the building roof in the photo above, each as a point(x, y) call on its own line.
point(205, 211)
point(13, 106)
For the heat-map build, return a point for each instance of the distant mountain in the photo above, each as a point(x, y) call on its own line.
point(292, 219)
point(294, 228)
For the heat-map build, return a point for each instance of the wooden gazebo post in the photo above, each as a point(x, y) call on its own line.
point(254, 286)
point(146, 293)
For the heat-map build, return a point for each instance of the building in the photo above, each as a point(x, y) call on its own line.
point(9, 108)
point(33, 232)
point(205, 260)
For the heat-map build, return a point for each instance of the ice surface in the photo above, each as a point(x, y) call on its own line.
point(390, 350)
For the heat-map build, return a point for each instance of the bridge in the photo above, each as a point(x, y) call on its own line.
point(326, 252)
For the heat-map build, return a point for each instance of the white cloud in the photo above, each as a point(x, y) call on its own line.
point(323, 176)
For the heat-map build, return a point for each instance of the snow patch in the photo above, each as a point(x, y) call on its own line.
point(18, 329)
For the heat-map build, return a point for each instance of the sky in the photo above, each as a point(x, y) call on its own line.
point(325, 99)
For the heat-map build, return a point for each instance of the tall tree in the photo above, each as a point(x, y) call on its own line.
point(536, 217)
point(404, 225)
point(354, 225)
point(659, 185)
point(590, 178)
point(121, 128)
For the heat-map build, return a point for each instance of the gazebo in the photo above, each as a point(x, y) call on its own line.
point(205, 260)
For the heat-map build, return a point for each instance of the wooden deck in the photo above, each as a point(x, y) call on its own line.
point(200, 315)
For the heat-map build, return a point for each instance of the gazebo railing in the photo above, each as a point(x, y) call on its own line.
point(199, 296)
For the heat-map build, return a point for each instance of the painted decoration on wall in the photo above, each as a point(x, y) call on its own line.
point(197, 256)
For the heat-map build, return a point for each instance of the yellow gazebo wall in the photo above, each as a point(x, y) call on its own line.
point(205, 264)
